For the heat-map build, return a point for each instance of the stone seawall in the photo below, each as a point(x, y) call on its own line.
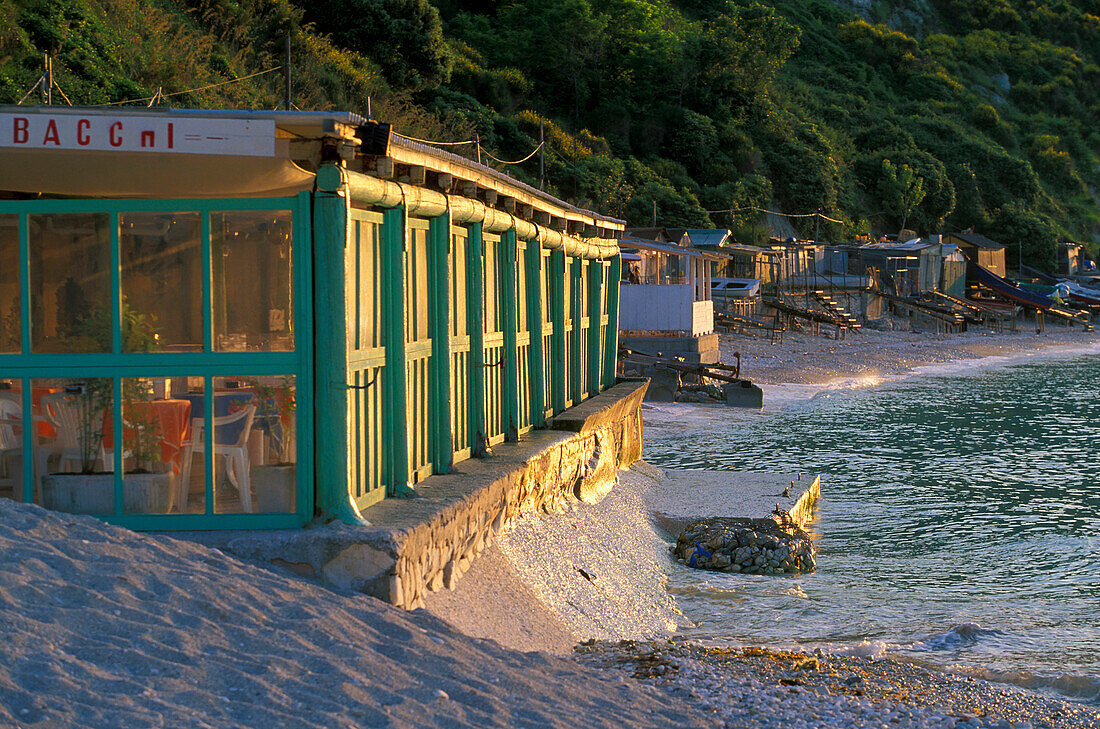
point(426, 543)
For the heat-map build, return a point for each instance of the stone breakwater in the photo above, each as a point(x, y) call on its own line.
point(750, 546)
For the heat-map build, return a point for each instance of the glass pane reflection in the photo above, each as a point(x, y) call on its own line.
point(161, 256)
point(252, 268)
point(70, 299)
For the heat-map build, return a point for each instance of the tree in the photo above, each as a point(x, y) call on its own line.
point(404, 37)
point(901, 188)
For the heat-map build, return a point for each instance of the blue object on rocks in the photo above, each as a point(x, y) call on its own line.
point(700, 551)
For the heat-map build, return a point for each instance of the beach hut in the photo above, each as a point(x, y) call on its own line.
point(234, 319)
point(977, 248)
point(680, 306)
point(953, 281)
point(1069, 257)
point(916, 265)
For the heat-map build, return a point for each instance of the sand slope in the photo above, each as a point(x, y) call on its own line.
point(102, 627)
point(597, 571)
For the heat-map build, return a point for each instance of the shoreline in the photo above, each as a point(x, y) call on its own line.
point(870, 356)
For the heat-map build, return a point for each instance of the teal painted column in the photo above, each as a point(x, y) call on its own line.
point(611, 348)
point(557, 315)
point(330, 402)
point(475, 323)
point(536, 356)
point(511, 338)
point(595, 317)
point(578, 313)
point(393, 313)
point(439, 244)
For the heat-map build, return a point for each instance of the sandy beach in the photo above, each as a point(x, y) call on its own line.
point(564, 622)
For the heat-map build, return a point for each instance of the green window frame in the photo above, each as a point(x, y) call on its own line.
point(208, 364)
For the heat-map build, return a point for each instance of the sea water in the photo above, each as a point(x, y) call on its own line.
point(959, 521)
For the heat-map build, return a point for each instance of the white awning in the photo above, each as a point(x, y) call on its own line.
point(136, 174)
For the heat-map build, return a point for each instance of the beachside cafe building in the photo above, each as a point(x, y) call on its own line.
point(232, 319)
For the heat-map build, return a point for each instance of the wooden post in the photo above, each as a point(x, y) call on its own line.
point(511, 343)
point(558, 273)
point(595, 315)
point(536, 354)
point(475, 247)
point(578, 356)
point(393, 308)
point(611, 347)
point(331, 399)
point(439, 243)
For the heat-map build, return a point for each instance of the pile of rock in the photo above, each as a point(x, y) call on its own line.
point(753, 546)
point(701, 393)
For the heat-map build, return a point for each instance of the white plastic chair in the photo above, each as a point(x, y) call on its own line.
point(62, 410)
point(11, 444)
point(235, 454)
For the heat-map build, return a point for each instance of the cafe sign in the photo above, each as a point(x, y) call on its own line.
point(146, 133)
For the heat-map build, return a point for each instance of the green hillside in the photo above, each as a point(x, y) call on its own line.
point(929, 114)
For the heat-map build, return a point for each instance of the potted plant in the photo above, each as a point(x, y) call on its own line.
point(276, 479)
point(90, 490)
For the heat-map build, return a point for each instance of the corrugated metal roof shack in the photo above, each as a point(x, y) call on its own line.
point(225, 319)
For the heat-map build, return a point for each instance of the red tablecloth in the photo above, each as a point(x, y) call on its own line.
point(174, 418)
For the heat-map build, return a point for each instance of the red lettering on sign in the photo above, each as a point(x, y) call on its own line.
point(116, 141)
point(170, 137)
point(51, 134)
point(82, 128)
point(20, 126)
point(148, 139)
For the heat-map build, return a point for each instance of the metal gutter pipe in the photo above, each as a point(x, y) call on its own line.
point(425, 203)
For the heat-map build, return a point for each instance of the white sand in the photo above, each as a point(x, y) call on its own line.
point(102, 627)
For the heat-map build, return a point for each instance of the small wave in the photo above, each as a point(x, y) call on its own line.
point(864, 649)
point(1072, 685)
point(960, 636)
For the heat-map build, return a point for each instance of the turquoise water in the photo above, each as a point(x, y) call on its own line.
point(960, 522)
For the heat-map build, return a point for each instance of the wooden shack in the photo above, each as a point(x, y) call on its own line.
point(978, 249)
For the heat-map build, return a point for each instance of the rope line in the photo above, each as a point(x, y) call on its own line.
point(31, 89)
point(518, 161)
point(429, 141)
point(773, 212)
point(190, 91)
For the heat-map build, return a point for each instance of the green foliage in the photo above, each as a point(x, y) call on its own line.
point(900, 188)
point(1015, 224)
point(404, 37)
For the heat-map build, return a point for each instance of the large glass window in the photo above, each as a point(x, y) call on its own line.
point(125, 402)
point(252, 254)
point(70, 282)
point(10, 325)
point(161, 256)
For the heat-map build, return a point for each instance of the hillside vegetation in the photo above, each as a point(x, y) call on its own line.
point(925, 114)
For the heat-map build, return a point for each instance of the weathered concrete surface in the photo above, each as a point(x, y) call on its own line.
point(680, 497)
point(425, 543)
point(694, 350)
